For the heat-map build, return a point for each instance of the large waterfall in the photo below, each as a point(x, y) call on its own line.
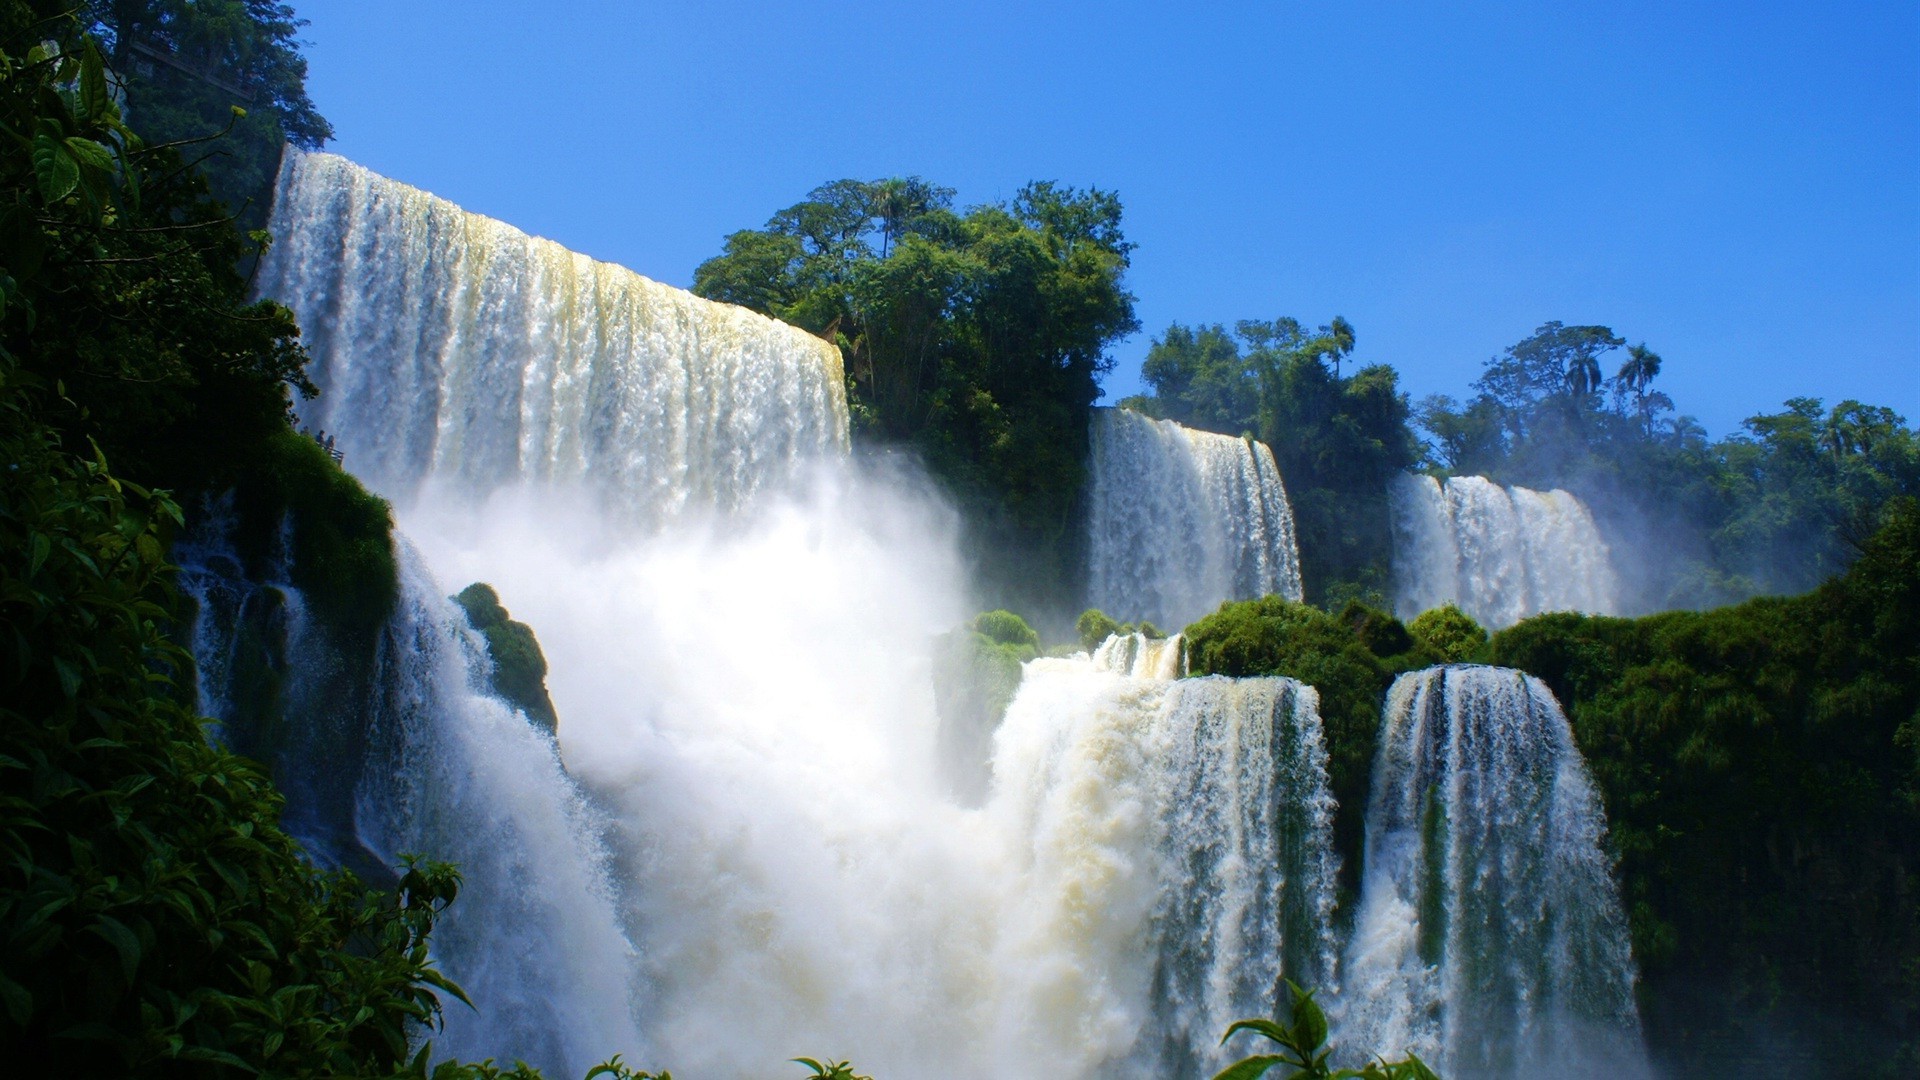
point(1182, 520)
point(741, 848)
point(1490, 937)
point(1499, 554)
point(453, 349)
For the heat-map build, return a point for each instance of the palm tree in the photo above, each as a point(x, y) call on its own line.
point(1636, 375)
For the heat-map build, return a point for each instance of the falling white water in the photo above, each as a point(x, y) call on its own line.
point(421, 757)
point(766, 862)
point(1499, 554)
point(1490, 937)
point(1182, 520)
point(453, 350)
point(1172, 861)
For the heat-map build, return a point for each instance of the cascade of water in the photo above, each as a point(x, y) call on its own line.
point(1490, 937)
point(417, 756)
point(1182, 520)
point(535, 938)
point(454, 350)
point(750, 701)
point(1500, 554)
point(1174, 863)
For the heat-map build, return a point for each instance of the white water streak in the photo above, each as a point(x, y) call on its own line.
point(1490, 937)
point(1499, 554)
point(1183, 520)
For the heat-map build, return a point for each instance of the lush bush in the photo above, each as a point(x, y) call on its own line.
point(519, 667)
point(1095, 626)
point(1006, 628)
point(1449, 633)
point(1762, 786)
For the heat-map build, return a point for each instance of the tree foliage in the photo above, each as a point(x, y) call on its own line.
point(186, 65)
point(975, 336)
point(1303, 1053)
point(1776, 508)
point(1761, 771)
point(1338, 439)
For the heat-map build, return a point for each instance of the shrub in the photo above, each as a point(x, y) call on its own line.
point(1449, 633)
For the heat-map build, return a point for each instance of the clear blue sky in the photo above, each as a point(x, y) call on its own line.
point(1735, 183)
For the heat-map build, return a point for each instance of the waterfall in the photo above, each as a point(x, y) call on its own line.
point(417, 756)
point(1175, 857)
point(739, 847)
point(1500, 554)
point(454, 351)
point(1182, 520)
point(1490, 937)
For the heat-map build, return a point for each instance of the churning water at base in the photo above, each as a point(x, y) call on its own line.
point(1182, 520)
point(1490, 937)
point(752, 704)
point(454, 350)
point(1499, 554)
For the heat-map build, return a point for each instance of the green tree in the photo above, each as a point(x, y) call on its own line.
point(1338, 440)
point(186, 65)
point(977, 337)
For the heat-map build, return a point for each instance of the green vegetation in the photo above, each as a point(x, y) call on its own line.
point(976, 337)
point(976, 671)
point(185, 65)
point(830, 1070)
point(1350, 659)
point(519, 667)
point(1450, 634)
point(1777, 508)
point(155, 920)
point(1302, 1049)
point(1338, 439)
point(1761, 771)
point(1095, 626)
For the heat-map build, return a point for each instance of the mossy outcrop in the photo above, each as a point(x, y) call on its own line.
point(976, 672)
point(519, 667)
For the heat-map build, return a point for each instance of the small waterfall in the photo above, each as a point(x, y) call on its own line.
point(417, 756)
point(456, 351)
point(1176, 839)
point(1500, 554)
point(1182, 520)
point(535, 938)
point(1490, 937)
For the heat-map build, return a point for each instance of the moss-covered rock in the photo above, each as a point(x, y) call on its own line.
point(296, 501)
point(519, 667)
point(1095, 626)
point(1005, 628)
point(976, 672)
